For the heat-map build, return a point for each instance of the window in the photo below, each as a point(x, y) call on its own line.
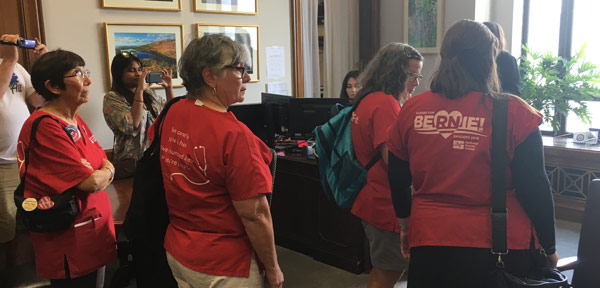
point(562, 27)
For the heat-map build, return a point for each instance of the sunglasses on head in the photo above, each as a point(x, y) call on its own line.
point(410, 53)
point(126, 54)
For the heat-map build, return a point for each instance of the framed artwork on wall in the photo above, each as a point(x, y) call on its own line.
point(168, 5)
point(157, 45)
point(424, 24)
point(227, 6)
point(246, 35)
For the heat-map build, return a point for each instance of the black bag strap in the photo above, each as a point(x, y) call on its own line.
point(154, 146)
point(499, 213)
point(33, 139)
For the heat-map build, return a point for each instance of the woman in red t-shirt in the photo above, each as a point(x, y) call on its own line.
point(384, 83)
point(441, 145)
point(67, 155)
point(216, 175)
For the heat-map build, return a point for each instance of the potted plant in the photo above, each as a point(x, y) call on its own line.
point(556, 86)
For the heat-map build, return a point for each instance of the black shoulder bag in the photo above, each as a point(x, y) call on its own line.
point(542, 275)
point(147, 218)
point(49, 213)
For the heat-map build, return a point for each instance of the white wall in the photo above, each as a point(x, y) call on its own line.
point(78, 26)
point(505, 12)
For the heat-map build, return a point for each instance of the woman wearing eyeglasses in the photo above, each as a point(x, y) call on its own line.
point(67, 155)
point(216, 176)
point(383, 84)
point(413, 78)
point(130, 108)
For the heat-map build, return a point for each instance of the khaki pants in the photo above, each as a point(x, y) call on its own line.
point(188, 278)
point(9, 180)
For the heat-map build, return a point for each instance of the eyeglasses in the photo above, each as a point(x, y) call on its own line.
point(79, 74)
point(126, 54)
point(414, 76)
point(241, 69)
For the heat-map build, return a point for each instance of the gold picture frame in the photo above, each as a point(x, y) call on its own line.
point(163, 5)
point(227, 6)
point(424, 25)
point(157, 45)
point(247, 35)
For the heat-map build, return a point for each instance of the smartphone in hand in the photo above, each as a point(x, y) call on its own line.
point(153, 77)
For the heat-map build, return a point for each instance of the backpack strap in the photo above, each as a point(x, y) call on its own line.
point(377, 156)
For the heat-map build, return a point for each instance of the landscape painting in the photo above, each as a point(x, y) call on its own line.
point(423, 24)
point(157, 46)
point(247, 35)
point(167, 5)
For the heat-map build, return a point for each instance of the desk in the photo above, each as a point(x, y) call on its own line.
point(119, 193)
point(305, 221)
point(571, 167)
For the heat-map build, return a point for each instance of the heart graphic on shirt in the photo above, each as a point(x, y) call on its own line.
point(447, 123)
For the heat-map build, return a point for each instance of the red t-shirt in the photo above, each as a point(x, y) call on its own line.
point(448, 145)
point(370, 124)
point(208, 159)
point(56, 163)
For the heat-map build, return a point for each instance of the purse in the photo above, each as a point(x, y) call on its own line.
point(125, 168)
point(48, 213)
point(543, 274)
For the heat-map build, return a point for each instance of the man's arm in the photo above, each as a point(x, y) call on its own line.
point(9, 55)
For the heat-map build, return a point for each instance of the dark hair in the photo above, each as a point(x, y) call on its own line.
point(468, 62)
point(119, 63)
point(213, 51)
point(52, 66)
point(387, 71)
point(351, 74)
point(498, 32)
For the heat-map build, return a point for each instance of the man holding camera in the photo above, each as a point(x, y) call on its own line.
point(16, 92)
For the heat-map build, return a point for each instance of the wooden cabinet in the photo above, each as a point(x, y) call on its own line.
point(571, 167)
point(307, 222)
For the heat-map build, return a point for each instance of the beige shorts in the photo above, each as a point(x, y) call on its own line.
point(9, 180)
point(188, 278)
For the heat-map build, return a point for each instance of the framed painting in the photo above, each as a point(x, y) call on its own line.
point(227, 6)
point(168, 5)
point(424, 24)
point(247, 35)
point(157, 45)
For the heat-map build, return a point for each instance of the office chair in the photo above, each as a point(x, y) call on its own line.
point(587, 262)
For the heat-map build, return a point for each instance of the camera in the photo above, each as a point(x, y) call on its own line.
point(21, 43)
point(154, 77)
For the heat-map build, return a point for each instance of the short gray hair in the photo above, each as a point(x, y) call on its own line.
point(214, 52)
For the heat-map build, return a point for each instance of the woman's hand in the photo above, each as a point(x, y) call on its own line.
point(404, 244)
point(142, 81)
point(167, 78)
point(275, 278)
point(110, 167)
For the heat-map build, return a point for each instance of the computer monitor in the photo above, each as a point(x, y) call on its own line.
point(276, 112)
point(254, 117)
point(308, 113)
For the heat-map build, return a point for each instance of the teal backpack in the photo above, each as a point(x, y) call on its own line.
point(342, 176)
